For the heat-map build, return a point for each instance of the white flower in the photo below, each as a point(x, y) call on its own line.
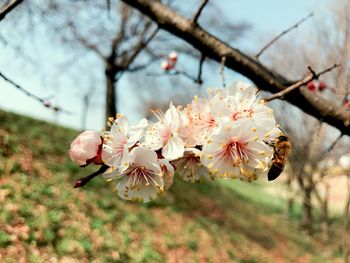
point(236, 149)
point(238, 101)
point(120, 137)
point(165, 135)
point(189, 167)
point(203, 121)
point(243, 102)
point(140, 177)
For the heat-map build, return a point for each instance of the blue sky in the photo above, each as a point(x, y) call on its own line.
point(267, 18)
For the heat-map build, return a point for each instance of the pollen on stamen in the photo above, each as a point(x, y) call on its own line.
point(254, 129)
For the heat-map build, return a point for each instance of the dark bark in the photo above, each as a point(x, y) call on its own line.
point(290, 198)
point(264, 78)
point(306, 186)
point(8, 8)
point(306, 217)
point(111, 90)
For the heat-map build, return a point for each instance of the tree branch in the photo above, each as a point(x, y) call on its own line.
point(312, 76)
point(264, 78)
point(8, 8)
point(88, 45)
point(199, 11)
point(270, 43)
point(200, 69)
point(31, 95)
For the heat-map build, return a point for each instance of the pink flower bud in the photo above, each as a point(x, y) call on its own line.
point(86, 148)
point(311, 86)
point(322, 85)
point(172, 56)
point(166, 65)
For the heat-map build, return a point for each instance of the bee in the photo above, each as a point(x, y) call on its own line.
point(281, 148)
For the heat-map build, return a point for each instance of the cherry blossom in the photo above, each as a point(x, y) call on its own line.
point(120, 138)
point(140, 177)
point(164, 134)
point(223, 135)
point(235, 149)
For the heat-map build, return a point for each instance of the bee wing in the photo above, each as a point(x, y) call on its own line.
point(270, 143)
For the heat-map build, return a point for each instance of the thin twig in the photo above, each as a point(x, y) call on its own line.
point(84, 180)
point(8, 8)
point(282, 34)
point(200, 69)
point(142, 66)
point(140, 47)
point(108, 4)
point(44, 102)
point(173, 73)
point(199, 11)
point(222, 70)
point(300, 83)
point(330, 148)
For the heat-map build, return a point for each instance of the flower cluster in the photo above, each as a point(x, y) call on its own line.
point(170, 61)
point(224, 135)
point(314, 86)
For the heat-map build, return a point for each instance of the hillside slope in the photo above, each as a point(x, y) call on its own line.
point(44, 219)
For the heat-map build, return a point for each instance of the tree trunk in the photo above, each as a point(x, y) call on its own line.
point(325, 216)
point(306, 187)
point(111, 98)
point(86, 103)
point(306, 218)
point(290, 197)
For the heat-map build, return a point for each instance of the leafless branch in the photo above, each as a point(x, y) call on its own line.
point(200, 68)
point(270, 43)
point(222, 70)
point(139, 47)
point(262, 76)
point(44, 102)
point(108, 4)
point(300, 83)
point(88, 45)
point(142, 66)
point(199, 11)
point(9, 7)
point(330, 148)
point(174, 73)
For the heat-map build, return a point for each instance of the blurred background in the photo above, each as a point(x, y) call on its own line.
point(68, 65)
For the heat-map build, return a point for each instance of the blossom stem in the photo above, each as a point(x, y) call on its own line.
point(84, 180)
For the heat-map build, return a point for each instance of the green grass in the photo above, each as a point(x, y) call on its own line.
point(43, 217)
